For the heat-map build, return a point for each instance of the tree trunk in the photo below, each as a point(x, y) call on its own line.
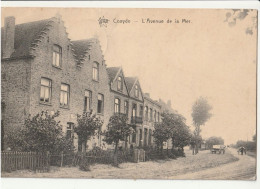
point(84, 146)
point(84, 165)
point(115, 155)
point(126, 143)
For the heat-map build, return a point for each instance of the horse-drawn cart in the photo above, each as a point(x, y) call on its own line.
point(218, 149)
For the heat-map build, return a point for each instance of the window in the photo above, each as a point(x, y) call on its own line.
point(100, 105)
point(146, 113)
point(117, 105)
point(95, 71)
point(136, 91)
point(151, 114)
point(158, 117)
point(150, 137)
point(140, 137)
point(64, 95)
point(134, 110)
point(141, 111)
point(155, 115)
point(56, 57)
point(119, 83)
point(87, 100)
point(69, 134)
point(134, 136)
point(45, 95)
point(145, 136)
point(126, 107)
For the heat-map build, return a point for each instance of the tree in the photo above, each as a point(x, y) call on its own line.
point(254, 138)
point(88, 125)
point(161, 134)
point(214, 141)
point(179, 131)
point(200, 115)
point(43, 133)
point(117, 130)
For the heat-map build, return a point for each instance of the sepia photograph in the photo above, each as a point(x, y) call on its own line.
point(129, 93)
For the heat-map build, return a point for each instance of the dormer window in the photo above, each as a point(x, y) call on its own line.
point(119, 83)
point(95, 71)
point(136, 91)
point(57, 55)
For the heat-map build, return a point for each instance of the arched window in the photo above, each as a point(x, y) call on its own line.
point(95, 71)
point(119, 83)
point(56, 56)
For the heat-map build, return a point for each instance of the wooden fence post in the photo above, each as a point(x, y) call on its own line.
point(61, 159)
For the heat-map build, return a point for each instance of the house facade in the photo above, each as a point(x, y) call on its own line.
point(43, 70)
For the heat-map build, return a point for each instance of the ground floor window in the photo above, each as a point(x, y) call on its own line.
point(69, 133)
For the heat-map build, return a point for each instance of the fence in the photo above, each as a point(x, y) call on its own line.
point(12, 161)
point(41, 162)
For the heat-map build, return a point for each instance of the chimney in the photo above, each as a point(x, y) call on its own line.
point(9, 30)
point(147, 94)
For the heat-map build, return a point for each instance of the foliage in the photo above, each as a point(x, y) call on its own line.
point(200, 115)
point(200, 111)
point(14, 139)
point(249, 145)
point(117, 129)
point(180, 132)
point(42, 132)
point(214, 141)
point(254, 138)
point(88, 125)
point(161, 134)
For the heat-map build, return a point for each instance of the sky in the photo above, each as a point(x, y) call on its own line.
point(211, 54)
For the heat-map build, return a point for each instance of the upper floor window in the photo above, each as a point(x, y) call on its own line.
point(141, 111)
point(146, 112)
point(100, 105)
point(64, 95)
point(95, 71)
point(155, 115)
point(158, 116)
point(151, 114)
point(45, 95)
point(134, 110)
point(119, 83)
point(117, 105)
point(126, 107)
point(57, 55)
point(87, 100)
point(136, 91)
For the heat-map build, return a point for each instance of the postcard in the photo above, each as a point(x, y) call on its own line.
point(129, 93)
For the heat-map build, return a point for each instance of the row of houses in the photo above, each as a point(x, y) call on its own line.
point(43, 70)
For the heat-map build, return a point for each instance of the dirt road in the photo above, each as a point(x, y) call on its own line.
point(243, 169)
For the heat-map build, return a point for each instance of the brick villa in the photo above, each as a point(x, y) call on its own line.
point(42, 69)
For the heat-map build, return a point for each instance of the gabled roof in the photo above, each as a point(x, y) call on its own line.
point(25, 34)
point(80, 47)
point(130, 81)
point(112, 72)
